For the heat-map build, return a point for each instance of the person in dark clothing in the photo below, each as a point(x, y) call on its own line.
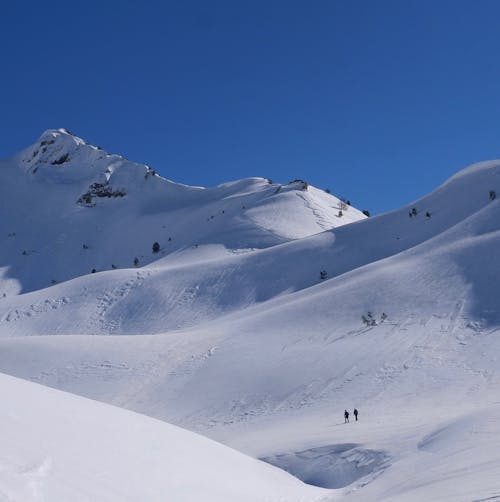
point(346, 417)
point(355, 414)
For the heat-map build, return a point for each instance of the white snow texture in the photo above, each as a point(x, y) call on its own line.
point(263, 312)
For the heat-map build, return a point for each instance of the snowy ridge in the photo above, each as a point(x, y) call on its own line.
point(71, 208)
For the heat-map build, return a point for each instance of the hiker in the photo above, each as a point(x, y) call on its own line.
point(346, 416)
point(355, 414)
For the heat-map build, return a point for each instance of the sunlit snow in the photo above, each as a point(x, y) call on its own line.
point(263, 315)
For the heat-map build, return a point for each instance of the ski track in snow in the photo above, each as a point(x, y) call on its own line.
point(35, 309)
point(317, 212)
point(98, 323)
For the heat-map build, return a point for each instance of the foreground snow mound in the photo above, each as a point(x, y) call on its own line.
point(59, 447)
point(70, 208)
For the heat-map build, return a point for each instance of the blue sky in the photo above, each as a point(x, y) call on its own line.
point(380, 101)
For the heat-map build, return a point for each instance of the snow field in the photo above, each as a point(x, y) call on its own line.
point(231, 332)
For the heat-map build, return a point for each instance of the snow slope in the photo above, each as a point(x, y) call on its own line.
point(248, 345)
point(61, 447)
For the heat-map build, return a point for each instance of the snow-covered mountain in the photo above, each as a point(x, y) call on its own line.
point(70, 208)
point(259, 326)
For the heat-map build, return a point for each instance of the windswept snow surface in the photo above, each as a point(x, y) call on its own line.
point(238, 337)
point(56, 447)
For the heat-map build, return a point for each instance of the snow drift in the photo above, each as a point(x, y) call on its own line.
point(61, 447)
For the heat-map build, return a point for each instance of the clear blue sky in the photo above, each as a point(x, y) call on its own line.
point(380, 101)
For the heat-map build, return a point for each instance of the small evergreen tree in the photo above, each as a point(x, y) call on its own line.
point(136, 261)
point(368, 319)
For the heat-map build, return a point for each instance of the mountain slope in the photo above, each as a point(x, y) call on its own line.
point(254, 348)
point(194, 285)
point(70, 208)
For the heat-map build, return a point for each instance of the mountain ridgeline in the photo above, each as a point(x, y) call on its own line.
point(70, 209)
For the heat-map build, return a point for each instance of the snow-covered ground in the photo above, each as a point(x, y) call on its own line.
point(258, 326)
point(60, 447)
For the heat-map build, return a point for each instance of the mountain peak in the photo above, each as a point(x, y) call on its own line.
point(55, 150)
point(59, 136)
point(81, 196)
